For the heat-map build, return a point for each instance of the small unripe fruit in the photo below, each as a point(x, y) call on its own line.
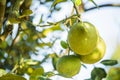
point(68, 66)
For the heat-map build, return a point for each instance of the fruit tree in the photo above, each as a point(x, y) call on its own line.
point(51, 39)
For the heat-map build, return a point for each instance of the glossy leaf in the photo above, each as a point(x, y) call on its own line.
point(13, 20)
point(49, 74)
point(45, 44)
point(84, 66)
point(109, 62)
point(98, 72)
point(56, 27)
point(31, 62)
point(64, 44)
point(41, 19)
point(44, 78)
point(25, 13)
point(56, 2)
point(54, 59)
point(23, 25)
point(51, 29)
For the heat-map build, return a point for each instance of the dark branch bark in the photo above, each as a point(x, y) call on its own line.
point(2, 11)
point(102, 6)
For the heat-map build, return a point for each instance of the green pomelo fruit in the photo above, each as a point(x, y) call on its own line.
point(68, 66)
point(83, 38)
point(96, 55)
point(113, 73)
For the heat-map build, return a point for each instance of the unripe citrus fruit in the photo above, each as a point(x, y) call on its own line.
point(96, 55)
point(82, 38)
point(113, 73)
point(68, 66)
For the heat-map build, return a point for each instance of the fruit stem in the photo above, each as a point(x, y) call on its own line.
point(77, 12)
point(68, 51)
point(76, 9)
point(2, 10)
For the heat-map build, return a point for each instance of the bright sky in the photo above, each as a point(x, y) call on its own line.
point(107, 21)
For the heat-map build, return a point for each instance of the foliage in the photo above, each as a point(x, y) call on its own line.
point(21, 39)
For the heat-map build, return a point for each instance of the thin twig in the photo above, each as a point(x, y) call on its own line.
point(77, 14)
point(102, 6)
point(76, 9)
point(63, 20)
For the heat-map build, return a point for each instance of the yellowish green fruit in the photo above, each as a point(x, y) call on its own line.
point(68, 66)
point(96, 55)
point(37, 73)
point(113, 73)
point(29, 70)
point(83, 38)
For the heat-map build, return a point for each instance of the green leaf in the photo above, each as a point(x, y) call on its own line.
point(64, 44)
point(2, 72)
point(54, 61)
point(25, 13)
point(41, 19)
point(77, 2)
point(44, 78)
point(51, 29)
point(3, 44)
point(23, 25)
point(11, 77)
point(55, 58)
point(13, 20)
point(56, 27)
point(109, 62)
point(45, 44)
point(84, 66)
point(37, 73)
point(98, 78)
point(56, 2)
point(49, 74)
point(31, 62)
point(98, 72)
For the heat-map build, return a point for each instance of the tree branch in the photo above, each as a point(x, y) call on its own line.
point(89, 9)
point(103, 5)
point(58, 21)
point(2, 11)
